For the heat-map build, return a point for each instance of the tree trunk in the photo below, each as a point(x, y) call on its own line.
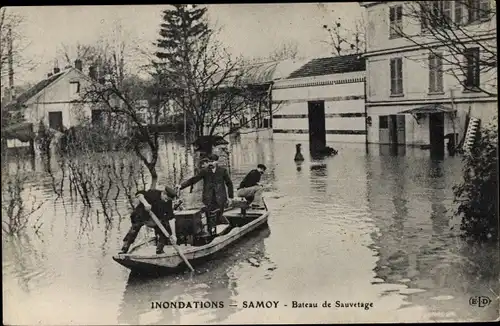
point(154, 175)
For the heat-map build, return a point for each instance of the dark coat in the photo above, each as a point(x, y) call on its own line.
point(213, 182)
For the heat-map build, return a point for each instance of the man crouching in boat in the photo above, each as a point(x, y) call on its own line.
point(160, 203)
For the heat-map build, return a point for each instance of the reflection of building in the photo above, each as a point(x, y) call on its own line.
point(411, 94)
point(323, 100)
point(410, 201)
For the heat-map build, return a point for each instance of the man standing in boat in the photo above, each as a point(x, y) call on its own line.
point(250, 187)
point(215, 180)
point(160, 203)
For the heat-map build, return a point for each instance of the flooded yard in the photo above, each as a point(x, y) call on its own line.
point(365, 226)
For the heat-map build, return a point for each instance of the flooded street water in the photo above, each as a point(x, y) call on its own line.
point(363, 226)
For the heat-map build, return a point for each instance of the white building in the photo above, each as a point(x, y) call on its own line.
point(322, 101)
point(412, 97)
point(57, 100)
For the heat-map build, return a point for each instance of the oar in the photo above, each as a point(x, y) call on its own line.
point(162, 228)
point(165, 232)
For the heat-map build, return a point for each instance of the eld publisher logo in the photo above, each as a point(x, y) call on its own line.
point(479, 301)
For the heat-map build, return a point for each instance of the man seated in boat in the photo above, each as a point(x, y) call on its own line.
point(215, 180)
point(250, 187)
point(160, 203)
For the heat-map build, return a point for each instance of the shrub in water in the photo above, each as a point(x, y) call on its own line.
point(477, 194)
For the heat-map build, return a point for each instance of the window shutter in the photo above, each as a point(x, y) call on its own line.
point(400, 75)
point(391, 14)
point(393, 76)
point(484, 9)
point(446, 5)
point(439, 73)
point(431, 73)
point(476, 67)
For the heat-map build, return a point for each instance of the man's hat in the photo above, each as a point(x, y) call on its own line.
point(170, 192)
point(213, 157)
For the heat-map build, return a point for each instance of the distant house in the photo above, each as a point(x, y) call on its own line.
point(57, 100)
point(324, 100)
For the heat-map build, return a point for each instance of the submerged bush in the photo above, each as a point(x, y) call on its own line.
point(477, 194)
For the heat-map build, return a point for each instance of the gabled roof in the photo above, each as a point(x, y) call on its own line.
point(40, 86)
point(330, 66)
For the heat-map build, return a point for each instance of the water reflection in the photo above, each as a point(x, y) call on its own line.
point(328, 213)
point(214, 281)
point(416, 247)
point(318, 177)
point(392, 150)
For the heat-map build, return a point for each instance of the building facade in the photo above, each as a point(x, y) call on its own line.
point(415, 96)
point(323, 101)
point(57, 100)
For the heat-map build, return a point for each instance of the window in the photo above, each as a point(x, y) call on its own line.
point(435, 73)
point(472, 62)
point(75, 87)
point(396, 76)
point(448, 13)
point(395, 21)
point(383, 122)
point(460, 13)
point(56, 120)
point(478, 10)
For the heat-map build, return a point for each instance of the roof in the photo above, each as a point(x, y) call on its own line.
point(22, 131)
point(24, 97)
point(430, 108)
point(330, 66)
point(264, 72)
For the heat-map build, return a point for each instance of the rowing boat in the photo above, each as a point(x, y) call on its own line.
point(143, 259)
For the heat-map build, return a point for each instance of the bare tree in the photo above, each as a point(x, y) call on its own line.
point(14, 44)
point(345, 41)
point(19, 205)
point(135, 104)
point(288, 50)
point(460, 34)
point(214, 90)
point(108, 55)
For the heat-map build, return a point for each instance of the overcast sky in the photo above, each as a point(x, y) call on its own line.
point(253, 30)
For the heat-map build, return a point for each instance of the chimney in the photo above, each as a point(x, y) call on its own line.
point(79, 64)
point(49, 75)
point(93, 72)
point(56, 70)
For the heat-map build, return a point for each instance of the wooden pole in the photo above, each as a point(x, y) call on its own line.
point(165, 232)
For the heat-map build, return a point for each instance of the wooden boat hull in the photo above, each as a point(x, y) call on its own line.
point(171, 261)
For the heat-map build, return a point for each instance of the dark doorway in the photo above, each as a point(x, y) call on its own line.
point(317, 129)
point(393, 129)
point(401, 129)
point(436, 133)
point(56, 120)
point(97, 117)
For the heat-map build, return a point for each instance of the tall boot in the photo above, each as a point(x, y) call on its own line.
point(125, 247)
